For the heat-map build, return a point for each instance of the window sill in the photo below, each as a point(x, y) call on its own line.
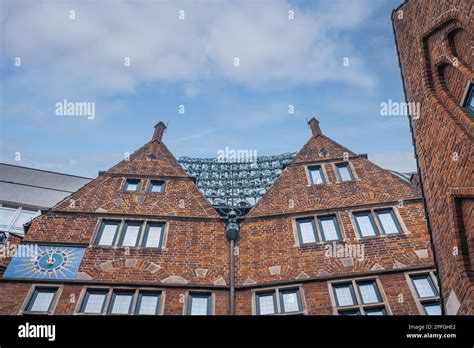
point(123, 248)
point(313, 244)
point(347, 181)
point(401, 234)
point(36, 313)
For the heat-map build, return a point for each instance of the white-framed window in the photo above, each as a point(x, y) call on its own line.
point(344, 171)
point(107, 234)
point(306, 230)
point(329, 228)
point(154, 235)
point(121, 301)
point(358, 297)
point(156, 186)
point(148, 303)
point(383, 221)
point(199, 303)
point(388, 221)
point(41, 300)
point(128, 233)
point(94, 301)
point(425, 290)
point(316, 175)
point(278, 301)
point(320, 228)
point(13, 219)
point(131, 185)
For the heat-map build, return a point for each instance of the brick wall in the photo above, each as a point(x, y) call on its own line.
point(436, 61)
point(195, 255)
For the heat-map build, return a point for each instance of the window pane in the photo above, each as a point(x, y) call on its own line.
point(94, 302)
point(156, 186)
point(108, 233)
point(316, 175)
point(153, 238)
point(6, 215)
point(42, 301)
point(121, 303)
point(344, 172)
point(130, 236)
point(375, 311)
point(290, 301)
point(199, 305)
point(364, 222)
point(24, 217)
point(432, 308)
point(387, 221)
point(148, 304)
point(307, 231)
point(329, 228)
point(132, 185)
point(368, 292)
point(424, 286)
point(344, 295)
point(266, 304)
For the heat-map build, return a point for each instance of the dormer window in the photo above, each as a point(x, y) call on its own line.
point(156, 186)
point(131, 185)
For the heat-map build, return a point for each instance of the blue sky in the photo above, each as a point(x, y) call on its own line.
point(190, 62)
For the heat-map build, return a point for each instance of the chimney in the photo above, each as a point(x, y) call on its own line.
point(314, 125)
point(159, 130)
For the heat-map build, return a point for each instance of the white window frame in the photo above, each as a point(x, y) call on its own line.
point(121, 230)
point(31, 293)
point(212, 299)
point(420, 300)
point(379, 231)
point(351, 169)
point(309, 177)
point(318, 229)
point(359, 305)
point(109, 292)
point(277, 299)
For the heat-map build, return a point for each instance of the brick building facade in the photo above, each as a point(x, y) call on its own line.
point(434, 42)
point(334, 234)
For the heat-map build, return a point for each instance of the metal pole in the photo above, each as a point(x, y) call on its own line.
point(232, 279)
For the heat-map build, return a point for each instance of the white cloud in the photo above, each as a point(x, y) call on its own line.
point(86, 55)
